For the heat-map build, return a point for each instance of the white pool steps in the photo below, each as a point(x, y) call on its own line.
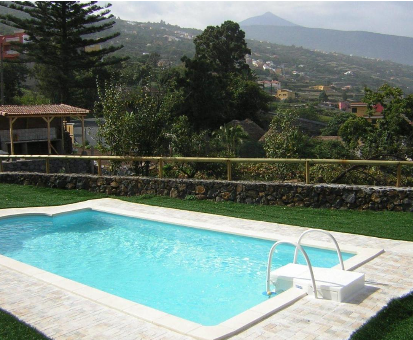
point(332, 284)
point(326, 283)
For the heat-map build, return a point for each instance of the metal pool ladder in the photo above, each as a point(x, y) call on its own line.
point(307, 260)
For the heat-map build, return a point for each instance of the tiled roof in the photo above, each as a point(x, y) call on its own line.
point(41, 110)
point(251, 128)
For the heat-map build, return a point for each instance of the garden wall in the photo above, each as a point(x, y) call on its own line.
point(331, 196)
point(56, 166)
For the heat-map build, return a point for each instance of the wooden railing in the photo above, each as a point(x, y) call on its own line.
point(228, 161)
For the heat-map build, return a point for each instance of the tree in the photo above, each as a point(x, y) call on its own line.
point(323, 97)
point(335, 123)
point(230, 138)
point(186, 142)
point(223, 48)
point(218, 83)
point(246, 97)
point(14, 76)
point(59, 34)
point(284, 139)
point(136, 122)
point(354, 130)
point(327, 149)
point(392, 135)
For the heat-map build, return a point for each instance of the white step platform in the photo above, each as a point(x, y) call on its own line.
point(332, 284)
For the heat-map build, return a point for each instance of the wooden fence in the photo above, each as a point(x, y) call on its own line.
point(228, 161)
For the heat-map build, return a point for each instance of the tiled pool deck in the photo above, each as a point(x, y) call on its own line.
point(62, 314)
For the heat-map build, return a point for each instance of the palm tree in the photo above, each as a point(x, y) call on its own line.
point(230, 137)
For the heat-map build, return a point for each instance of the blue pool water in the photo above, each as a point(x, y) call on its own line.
point(202, 276)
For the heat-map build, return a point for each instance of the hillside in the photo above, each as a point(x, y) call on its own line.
point(363, 44)
point(297, 67)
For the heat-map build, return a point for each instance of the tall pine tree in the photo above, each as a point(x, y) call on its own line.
point(60, 33)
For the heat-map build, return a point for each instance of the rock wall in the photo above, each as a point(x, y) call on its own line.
point(331, 196)
point(56, 166)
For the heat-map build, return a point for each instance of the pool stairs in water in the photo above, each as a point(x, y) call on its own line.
point(331, 284)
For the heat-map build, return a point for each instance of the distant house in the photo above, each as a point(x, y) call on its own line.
point(275, 84)
point(171, 38)
point(343, 106)
point(36, 129)
point(284, 94)
point(360, 110)
point(164, 63)
point(6, 42)
point(321, 87)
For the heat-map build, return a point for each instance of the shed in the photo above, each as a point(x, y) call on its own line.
point(28, 124)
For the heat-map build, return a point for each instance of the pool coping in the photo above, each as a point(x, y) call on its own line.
point(224, 330)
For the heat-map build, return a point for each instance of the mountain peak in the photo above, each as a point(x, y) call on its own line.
point(266, 19)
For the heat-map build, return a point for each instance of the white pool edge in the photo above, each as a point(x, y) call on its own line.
point(224, 330)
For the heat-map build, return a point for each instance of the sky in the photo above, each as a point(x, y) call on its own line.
point(386, 17)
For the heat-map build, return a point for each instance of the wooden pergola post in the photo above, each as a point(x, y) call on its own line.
point(11, 120)
point(83, 132)
point(49, 149)
point(49, 142)
point(63, 134)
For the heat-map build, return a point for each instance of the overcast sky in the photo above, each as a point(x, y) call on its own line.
point(387, 17)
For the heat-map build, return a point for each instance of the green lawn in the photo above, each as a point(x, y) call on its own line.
point(393, 322)
point(384, 224)
point(13, 329)
point(379, 224)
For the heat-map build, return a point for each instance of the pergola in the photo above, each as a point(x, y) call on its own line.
point(45, 112)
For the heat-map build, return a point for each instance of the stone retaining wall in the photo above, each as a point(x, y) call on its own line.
point(330, 196)
point(56, 166)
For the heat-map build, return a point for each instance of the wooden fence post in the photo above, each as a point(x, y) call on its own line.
point(307, 172)
point(47, 166)
point(399, 175)
point(229, 170)
point(160, 168)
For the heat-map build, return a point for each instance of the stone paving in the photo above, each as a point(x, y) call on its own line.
point(63, 315)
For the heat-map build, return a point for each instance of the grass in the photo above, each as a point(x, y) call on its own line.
point(13, 329)
point(394, 322)
point(20, 196)
point(383, 224)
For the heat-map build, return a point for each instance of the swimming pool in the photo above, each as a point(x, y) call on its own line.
point(199, 275)
point(168, 247)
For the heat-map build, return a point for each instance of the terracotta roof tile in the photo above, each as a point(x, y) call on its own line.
point(41, 110)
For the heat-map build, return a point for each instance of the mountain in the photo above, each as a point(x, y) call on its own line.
point(267, 19)
point(363, 44)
